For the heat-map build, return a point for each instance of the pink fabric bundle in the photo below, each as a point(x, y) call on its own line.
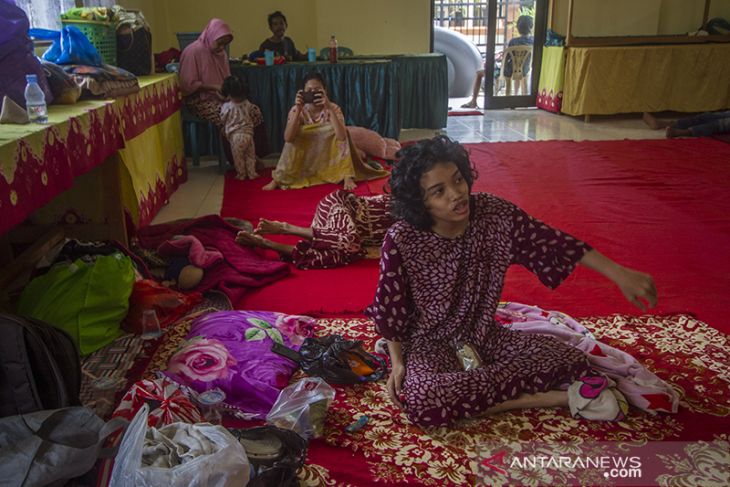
point(641, 387)
point(241, 268)
point(192, 248)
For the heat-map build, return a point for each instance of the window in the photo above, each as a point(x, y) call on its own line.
point(46, 14)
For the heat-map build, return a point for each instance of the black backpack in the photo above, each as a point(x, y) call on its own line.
point(39, 367)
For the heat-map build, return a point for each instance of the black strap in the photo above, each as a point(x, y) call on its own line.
point(287, 352)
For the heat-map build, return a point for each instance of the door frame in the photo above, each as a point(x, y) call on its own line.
point(492, 102)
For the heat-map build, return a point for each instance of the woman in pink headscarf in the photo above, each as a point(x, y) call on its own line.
point(203, 67)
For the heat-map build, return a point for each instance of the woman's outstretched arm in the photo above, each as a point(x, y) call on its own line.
point(636, 286)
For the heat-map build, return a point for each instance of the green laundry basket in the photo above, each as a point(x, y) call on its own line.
point(102, 35)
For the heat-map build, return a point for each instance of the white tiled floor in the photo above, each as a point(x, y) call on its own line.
point(203, 193)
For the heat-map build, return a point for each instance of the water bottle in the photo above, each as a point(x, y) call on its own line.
point(333, 50)
point(35, 100)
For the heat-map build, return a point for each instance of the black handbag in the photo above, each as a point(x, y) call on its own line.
point(335, 359)
point(134, 49)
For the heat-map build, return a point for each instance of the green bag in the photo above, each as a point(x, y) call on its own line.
point(87, 300)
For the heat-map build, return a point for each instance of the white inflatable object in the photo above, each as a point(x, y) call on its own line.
point(462, 57)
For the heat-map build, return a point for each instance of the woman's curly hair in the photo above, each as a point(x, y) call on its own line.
point(413, 161)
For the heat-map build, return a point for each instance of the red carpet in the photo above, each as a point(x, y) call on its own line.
point(390, 451)
point(660, 206)
point(326, 292)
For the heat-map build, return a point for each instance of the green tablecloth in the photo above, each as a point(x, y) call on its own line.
point(382, 93)
point(423, 89)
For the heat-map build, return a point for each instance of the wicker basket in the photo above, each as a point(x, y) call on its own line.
point(102, 35)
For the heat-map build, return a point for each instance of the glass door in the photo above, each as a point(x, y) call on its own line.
point(515, 36)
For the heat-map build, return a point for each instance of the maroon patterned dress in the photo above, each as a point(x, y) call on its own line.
point(435, 291)
point(344, 225)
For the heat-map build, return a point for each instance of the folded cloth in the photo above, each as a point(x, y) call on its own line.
point(106, 81)
point(169, 403)
point(175, 444)
point(192, 248)
point(12, 112)
point(596, 398)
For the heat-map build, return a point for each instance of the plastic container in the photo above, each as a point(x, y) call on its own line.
point(150, 325)
point(102, 35)
point(35, 100)
point(210, 402)
point(333, 50)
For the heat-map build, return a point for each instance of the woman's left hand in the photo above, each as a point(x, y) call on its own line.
point(637, 287)
point(322, 100)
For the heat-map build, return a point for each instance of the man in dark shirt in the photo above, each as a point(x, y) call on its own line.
point(280, 44)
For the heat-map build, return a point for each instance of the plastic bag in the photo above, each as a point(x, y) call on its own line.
point(169, 304)
point(50, 446)
point(302, 407)
point(227, 466)
point(70, 46)
point(87, 300)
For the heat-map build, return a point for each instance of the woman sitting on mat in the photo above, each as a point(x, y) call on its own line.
point(343, 228)
point(702, 125)
point(317, 148)
point(442, 270)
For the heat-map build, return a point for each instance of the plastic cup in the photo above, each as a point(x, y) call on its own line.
point(150, 325)
point(269, 58)
point(311, 54)
point(210, 402)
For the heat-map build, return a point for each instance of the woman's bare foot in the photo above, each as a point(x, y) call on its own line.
point(470, 104)
point(240, 177)
point(272, 185)
point(271, 227)
point(251, 240)
point(653, 122)
point(673, 132)
point(549, 399)
point(349, 184)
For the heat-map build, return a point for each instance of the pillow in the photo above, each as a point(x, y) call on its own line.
point(368, 141)
point(392, 147)
point(231, 350)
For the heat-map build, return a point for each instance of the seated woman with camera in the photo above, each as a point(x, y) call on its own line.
point(317, 147)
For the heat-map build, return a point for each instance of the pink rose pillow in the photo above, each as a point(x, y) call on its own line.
point(231, 350)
